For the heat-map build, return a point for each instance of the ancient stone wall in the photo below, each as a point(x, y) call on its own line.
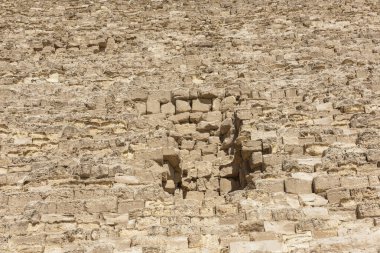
point(189, 126)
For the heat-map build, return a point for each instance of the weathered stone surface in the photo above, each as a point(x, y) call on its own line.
point(270, 185)
point(323, 183)
point(182, 106)
point(297, 185)
point(194, 126)
point(259, 246)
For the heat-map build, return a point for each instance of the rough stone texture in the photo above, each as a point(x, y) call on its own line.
point(189, 126)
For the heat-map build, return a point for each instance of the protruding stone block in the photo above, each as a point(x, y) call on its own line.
point(181, 93)
point(201, 105)
point(170, 186)
point(182, 106)
point(227, 185)
point(256, 160)
point(323, 183)
point(152, 106)
point(334, 196)
point(300, 183)
point(368, 210)
point(228, 103)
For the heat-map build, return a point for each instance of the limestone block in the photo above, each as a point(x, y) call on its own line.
point(262, 236)
point(141, 108)
point(212, 116)
point(323, 183)
point(227, 103)
point(226, 125)
point(101, 205)
point(177, 243)
point(172, 156)
point(137, 95)
point(282, 227)
point(204, 168)
point(251, 226)
point(125, 206)
point(270, 185)
point(143, 223)
point(181, 93)
point(211, 92)
point(182, 106)
point(298, 186)
point(257, 246)
point(327, 121)
point(227, 185)
point(374, 180)
point(209, 149)
point(207, 126)
point(195, 117)
point(201, 105)
point(216, 103)
point(201, 136)
point(334, 196)
point(22, 140)
point(163, 96)
point(278, 94)
point(368, 210)
point(152, 106)
point(115, 219)
point(262, 135)
point(316, 149)
point(195, 195)
point(17, 202)
point(229, 171)
point(226, 209)
point(256, 160)
point(324, 107)
point(300, 183)
point(354, 182)
point(180, 118)
point(170, 186)
point(185, 129)
point(187, 144)
point(290, 93)
point(290, 140)
point(154, 154)
point(315, 212)
point(373, 155)
point(56, 218)
point(130, 180)
point(244, 114)
point(168, 109)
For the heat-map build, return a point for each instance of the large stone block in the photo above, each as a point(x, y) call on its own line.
point(354, 182)
point(366, 210)
point(256, 160)
point(101, 205)
point(227, 185)
point(182, 106)
point(283, 227)
point(153, 106)
point(334, 196)
point(168, 109)
point(201, 105)
point(270, 185)
point(273, 246)
point(323, 183)
point(300, 183)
